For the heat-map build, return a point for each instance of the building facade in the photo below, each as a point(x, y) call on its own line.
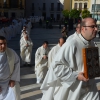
point(95, 9)
point(67, 5)
point(81, 4)
point(12, 8)
point(92, 5)
point(46, 8)
point(76, 4)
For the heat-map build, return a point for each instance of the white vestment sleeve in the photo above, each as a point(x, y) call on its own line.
point(38, 57)
point(16, 73)
point(49, 58)
point(65, 65)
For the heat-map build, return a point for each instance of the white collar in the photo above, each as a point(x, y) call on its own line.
point(86, 42)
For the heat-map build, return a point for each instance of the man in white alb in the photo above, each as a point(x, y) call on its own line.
point(65, 79)
point(26, 45)
point(54, 51)
point(41, 61)
point(77, 32)
point(9, 72)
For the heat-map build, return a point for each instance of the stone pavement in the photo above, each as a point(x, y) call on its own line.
point(29, 89)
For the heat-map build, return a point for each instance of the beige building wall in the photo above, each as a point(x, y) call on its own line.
point(81, 1)
point(67, 4)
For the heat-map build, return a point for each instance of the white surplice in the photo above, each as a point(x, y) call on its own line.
point(9, 70)
point(52, 54)
point(40, 63)
point(61, 81)
point(71, 36)
point(26, 51)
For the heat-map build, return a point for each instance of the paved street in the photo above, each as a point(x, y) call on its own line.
point(29, 88)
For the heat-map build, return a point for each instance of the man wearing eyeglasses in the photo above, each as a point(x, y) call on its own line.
point(65, 79)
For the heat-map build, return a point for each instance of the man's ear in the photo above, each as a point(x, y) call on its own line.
point(82, 28)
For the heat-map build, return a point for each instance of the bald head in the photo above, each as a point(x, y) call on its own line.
point(88, 28)
point(85, 20)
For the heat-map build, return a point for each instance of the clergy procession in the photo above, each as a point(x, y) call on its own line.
point(10, 60)
point(59, 69)
point(65, 78)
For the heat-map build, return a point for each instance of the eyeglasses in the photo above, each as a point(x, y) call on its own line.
point(92, 26)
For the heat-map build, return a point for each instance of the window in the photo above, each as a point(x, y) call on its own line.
point(44, 8)
point(85, 5)
point(75, 5)
point(0, 5)
point(32, 6)
point(80, 6)
point(52, 6)
point(58, 17)
point(13, 3)
point(58, 6)
point(52, 16)
point(95, 7)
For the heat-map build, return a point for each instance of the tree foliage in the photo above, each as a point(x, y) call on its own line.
point(74, 13)
point(86, 13)
point(65, 13)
